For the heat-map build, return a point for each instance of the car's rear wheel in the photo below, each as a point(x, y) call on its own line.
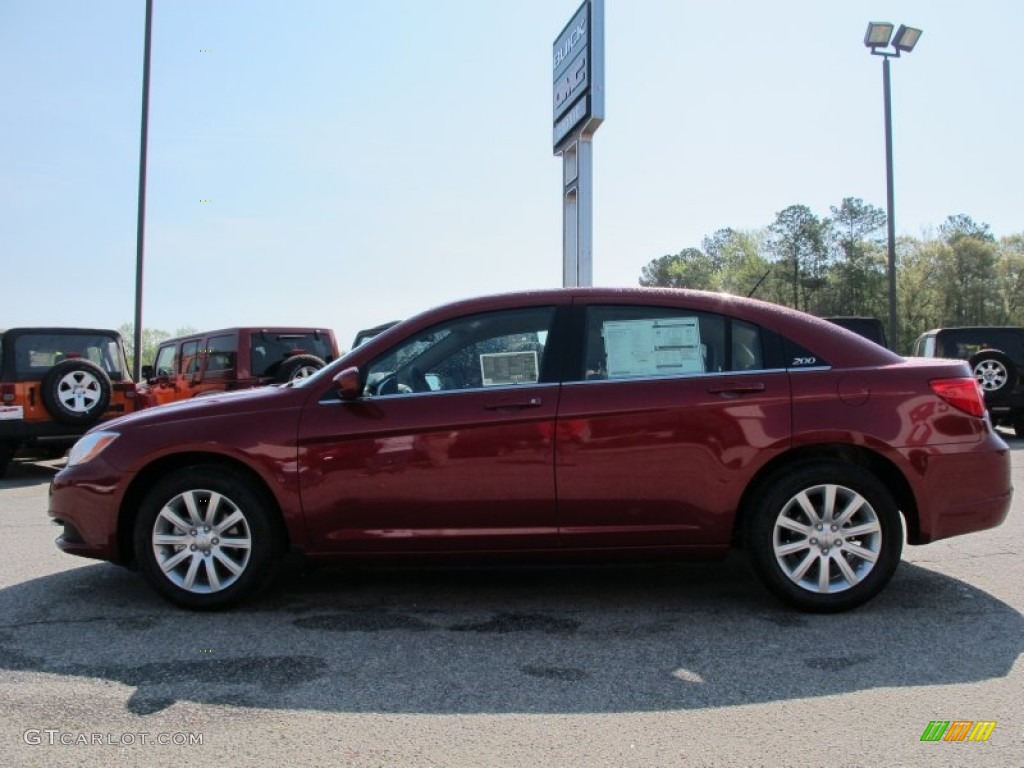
point(76, 392)
point(298, 367)
point(205, 538)
point(995, 372)
point(824, 536)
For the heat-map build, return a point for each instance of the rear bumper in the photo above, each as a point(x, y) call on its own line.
point(963, 491)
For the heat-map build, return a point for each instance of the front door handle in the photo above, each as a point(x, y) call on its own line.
point(736, 388)
point(514, 404)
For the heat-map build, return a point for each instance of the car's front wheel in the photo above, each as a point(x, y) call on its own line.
point(824, 536)
point(205, 538)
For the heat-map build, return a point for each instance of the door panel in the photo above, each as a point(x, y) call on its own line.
point(672, 418)
point(431, 472)
point(450, 447)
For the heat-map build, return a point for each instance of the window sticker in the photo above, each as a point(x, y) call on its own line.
point(502, 368)
point(665, 347)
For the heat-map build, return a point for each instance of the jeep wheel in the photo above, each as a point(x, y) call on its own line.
point(76, 392)
point(995, 372)
point(298, 367)
point(824, 536)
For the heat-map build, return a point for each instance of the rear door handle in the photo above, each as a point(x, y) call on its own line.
point(514, 404)
point(736, 388)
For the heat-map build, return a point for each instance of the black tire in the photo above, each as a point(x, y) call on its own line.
point(222, 574)
point(838, 571)
point(298, 367)
point(76, 392)
point(1017, 421)
point(995, 371)
point(7, 451)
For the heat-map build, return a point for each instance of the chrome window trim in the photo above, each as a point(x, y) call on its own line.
point(683, 377)
point(547, 385)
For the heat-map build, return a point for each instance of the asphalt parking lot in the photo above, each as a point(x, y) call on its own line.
point(674, 665)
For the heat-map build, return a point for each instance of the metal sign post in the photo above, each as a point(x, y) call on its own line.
point(578, 101)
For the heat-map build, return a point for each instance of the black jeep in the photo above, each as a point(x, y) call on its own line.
point(996, 357)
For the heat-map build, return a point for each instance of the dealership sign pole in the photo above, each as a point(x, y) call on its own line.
point(578, 98)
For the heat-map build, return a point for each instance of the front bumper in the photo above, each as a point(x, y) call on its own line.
point(85, 501)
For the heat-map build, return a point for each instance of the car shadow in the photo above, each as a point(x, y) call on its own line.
point(22, 473)
point(504, 640)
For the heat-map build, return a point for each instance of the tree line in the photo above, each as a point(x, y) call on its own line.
point(151, 339)
point(960, 274)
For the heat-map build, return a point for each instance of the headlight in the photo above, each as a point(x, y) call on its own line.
point(89, 447)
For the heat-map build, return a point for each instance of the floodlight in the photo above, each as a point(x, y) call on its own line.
point(906, 38)
point(878, 34)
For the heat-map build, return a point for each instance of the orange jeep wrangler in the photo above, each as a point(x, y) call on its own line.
point(233, 358)
point(55, 383)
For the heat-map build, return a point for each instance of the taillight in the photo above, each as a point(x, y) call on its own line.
point(6, 393)
point(964, 394)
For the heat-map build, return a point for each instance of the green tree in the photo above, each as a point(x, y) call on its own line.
point(858, 279)
point(960, 276)
point(740, 259)
point(961, 225)
point(919, 296)
point(967, 276)
point(797, 241)
point(690, 268)
point(151, 338)
point(1010, 279)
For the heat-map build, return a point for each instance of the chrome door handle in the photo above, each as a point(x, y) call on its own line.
point(736, 388)
point(514, 404)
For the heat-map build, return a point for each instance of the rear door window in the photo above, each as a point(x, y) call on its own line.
point(221, 351)
point(628, 342)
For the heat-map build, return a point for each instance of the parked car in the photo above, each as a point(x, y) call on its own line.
point(567, 423)
point(55, 383)
point(868, 327)
point(996, 357)
point(368, 333)
point(234, 358)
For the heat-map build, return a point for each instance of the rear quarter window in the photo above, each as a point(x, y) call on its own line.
point(797, 356)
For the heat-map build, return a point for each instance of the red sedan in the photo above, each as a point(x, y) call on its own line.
point(575, 422)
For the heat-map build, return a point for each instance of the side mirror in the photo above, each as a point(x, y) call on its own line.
point(349, 384)
point(147, 372)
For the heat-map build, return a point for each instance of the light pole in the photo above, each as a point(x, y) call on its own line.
point(877, 39)
point(140, 233)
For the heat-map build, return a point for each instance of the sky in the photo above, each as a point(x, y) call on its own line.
point(341, 163)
